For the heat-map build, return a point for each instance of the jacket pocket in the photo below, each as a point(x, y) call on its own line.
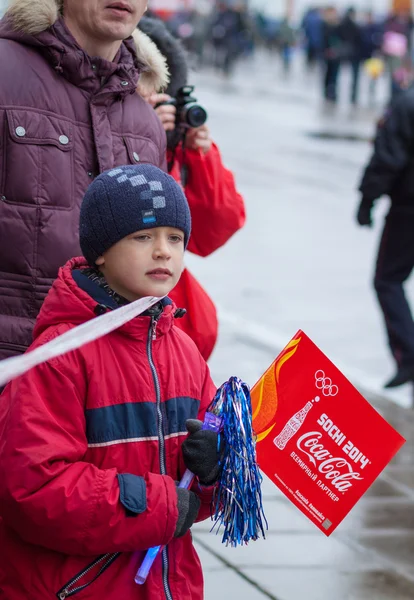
point(87, 576)
point(38, 159)
point(141, 150)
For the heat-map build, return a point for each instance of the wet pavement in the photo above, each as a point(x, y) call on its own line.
point(302, 263)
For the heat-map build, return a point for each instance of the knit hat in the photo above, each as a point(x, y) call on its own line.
point(128, 199)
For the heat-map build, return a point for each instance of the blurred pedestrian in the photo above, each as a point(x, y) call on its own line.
point(229, 33)
point(69, 71)
point(352, 51)
point(399, 23)
point(402, 76)
point(217, 209)
point(391, 172)
point(372, 31)
point(372, 40)
point(199, 37)
point(397, 49)
point(331, 52)
point(286, 40)
point(374, 68)
point(312, 27)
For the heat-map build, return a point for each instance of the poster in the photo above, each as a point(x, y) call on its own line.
point(318, 439)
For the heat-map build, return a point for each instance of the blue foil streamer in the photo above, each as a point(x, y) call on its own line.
point(237, 506)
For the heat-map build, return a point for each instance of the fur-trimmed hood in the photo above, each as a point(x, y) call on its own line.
point(171, 48)
point(32, 17)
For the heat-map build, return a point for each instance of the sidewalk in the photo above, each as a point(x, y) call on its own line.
point(369, 557)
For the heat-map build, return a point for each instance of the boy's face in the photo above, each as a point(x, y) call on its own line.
point(145, 263)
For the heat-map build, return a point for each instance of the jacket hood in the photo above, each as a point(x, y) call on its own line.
point(68, 304)
point(29, 18)
point(170, 47)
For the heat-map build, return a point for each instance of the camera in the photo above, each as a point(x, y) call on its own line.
point(189, 113)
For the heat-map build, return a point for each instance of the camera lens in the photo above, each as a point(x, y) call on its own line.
point(194, 115)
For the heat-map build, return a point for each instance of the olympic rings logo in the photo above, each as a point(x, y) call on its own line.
point(325, 384)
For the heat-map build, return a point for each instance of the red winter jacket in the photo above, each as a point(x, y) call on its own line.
point(84, 442)
point(217, 212)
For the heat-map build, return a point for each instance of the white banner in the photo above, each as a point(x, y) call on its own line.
point(73, 339)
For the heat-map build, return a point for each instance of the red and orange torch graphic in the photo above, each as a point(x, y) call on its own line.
point(264, 394)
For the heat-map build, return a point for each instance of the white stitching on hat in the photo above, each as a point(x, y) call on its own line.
point(140, 180)
point(155, 186)
point(137, 180)
point(159, 202)
point(114, 172)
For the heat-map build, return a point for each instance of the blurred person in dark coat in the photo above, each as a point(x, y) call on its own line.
point(229, 29)
point(331, 52)
point(372, 39)
point(372, 36)
point(352, 48)
point(312, 27)
point(391, 172)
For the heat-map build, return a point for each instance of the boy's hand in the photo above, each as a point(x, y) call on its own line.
point(188, 506)
point(201, 452)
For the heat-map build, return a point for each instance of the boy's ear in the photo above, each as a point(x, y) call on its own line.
point(100, 261)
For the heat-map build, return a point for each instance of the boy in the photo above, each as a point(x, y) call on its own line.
point(90, 442)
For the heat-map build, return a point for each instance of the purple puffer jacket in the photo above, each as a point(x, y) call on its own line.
point(64, 118)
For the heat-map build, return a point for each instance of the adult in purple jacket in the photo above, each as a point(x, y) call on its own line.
point(69, 71)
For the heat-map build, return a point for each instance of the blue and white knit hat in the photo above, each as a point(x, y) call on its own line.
point(128, 199)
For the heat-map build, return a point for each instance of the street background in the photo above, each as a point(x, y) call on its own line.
point(301, 262)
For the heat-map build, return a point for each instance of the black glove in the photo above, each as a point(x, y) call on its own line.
point(188, 506)
point(201, 453)
point(364, 217)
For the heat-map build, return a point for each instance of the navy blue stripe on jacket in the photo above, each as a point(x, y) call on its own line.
point(137, 421)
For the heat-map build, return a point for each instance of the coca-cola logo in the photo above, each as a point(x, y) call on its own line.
point(337, 470)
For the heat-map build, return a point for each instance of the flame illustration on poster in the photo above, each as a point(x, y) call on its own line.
point(264, 394)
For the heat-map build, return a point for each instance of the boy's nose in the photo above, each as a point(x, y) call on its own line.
point(162, 249)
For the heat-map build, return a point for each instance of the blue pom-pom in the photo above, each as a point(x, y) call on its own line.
point(237, 505)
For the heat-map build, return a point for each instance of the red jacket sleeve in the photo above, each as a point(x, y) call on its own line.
point(217, 209)
point(48, 494)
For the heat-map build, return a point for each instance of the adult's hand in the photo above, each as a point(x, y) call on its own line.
point(166, 113)
point(199, 139)
point(364, 216)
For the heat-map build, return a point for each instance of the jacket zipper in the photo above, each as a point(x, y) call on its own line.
point(152, 335)
point(68, 590)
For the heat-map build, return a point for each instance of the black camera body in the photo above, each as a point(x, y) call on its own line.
point(189, 113)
